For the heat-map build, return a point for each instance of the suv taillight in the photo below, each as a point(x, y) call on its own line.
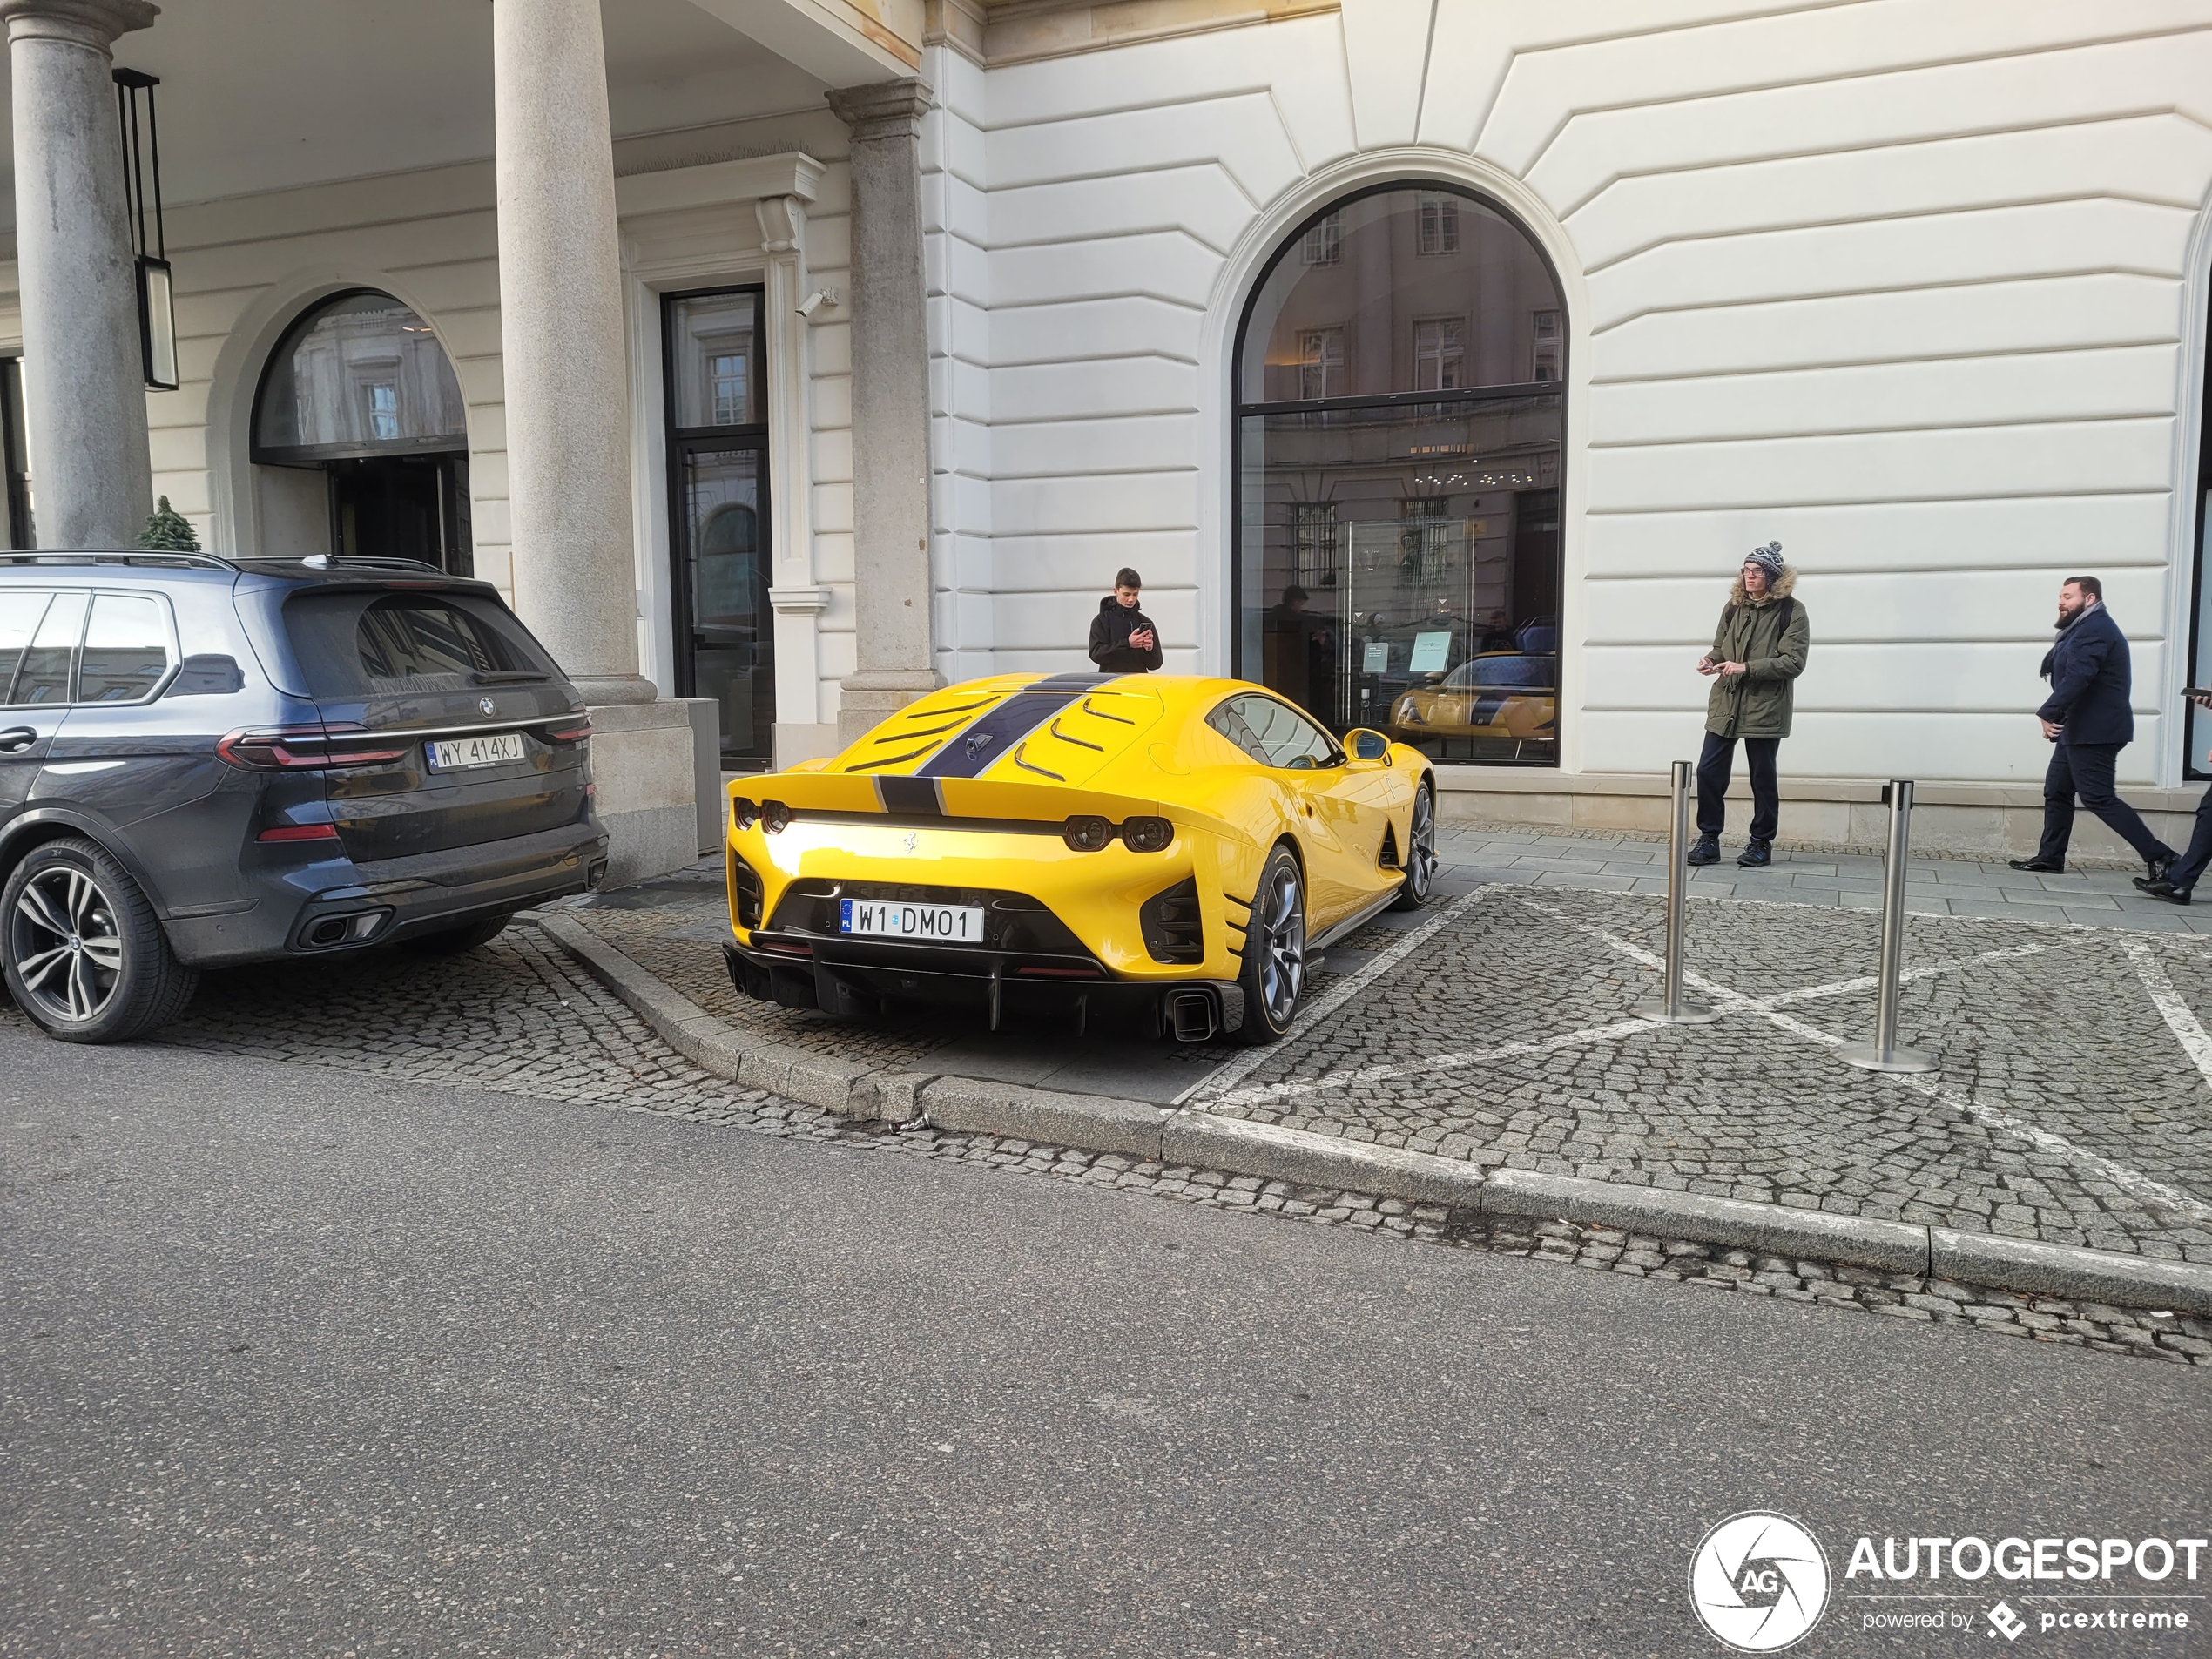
point(576, 733)
point(303, 748)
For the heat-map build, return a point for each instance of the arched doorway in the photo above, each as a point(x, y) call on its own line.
point(1400, 402)
point(360, 406)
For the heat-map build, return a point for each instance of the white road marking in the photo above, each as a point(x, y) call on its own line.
point(1993, 1117)
point(2179, 1020)
point(1606, 1032)
point(1229, 1076)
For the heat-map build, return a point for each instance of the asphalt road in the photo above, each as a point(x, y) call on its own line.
point(299, 1362)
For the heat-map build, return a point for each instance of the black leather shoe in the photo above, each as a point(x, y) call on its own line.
point(1756, 856)
point(2165, 890)
point(2039, 866)
point(1706, 850)
point(2158, 868)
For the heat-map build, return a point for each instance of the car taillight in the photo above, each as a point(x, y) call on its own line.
point(743, 813)
point(1084, 833)
point(775, 817)
point(302, 748)
point(576, 733)
point(1147, 834)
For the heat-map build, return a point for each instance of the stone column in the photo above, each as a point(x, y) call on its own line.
point(574, 577)
point(561, 337)
point(894, 645)
point(84, 375)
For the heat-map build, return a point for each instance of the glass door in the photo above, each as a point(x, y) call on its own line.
point(717, 447)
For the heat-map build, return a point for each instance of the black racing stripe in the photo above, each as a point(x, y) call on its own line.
point(916, 797)
point(1071, 683)
point(968, 755)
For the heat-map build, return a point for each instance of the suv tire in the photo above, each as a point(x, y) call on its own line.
point(1273, 975)
point(451, 941)
point(85, 956)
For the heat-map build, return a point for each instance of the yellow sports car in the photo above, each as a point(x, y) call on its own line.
point(1495, 703)
point(1163, 846)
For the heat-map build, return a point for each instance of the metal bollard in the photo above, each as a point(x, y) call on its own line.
point(1883, 1054)
point(1671, 1007)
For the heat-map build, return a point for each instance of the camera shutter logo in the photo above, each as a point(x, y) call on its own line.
point(1759, 1582)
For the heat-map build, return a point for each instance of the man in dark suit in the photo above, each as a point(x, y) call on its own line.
point(2090, 718)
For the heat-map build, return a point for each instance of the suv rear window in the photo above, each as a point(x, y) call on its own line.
point(365, 645)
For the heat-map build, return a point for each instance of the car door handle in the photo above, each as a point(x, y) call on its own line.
point(16, 737)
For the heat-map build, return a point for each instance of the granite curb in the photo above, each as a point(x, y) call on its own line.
point(1237, 1146)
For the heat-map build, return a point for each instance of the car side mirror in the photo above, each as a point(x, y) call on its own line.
point(1368, 746)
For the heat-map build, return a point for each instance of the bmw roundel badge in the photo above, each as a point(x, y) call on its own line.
point(485, 703)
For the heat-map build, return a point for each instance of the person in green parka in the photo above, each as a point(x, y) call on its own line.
point(1758, 651)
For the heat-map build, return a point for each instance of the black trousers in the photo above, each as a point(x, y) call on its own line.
point(1714, 767)
point(2184, 874)
point(2086, 769)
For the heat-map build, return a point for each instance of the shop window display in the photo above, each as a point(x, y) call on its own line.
point(1400, 419)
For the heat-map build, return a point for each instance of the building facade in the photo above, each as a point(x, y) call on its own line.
point(1435, 360)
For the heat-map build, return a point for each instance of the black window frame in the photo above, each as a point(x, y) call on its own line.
point(1240, 410)
point(684, 441)
point(2195, 770)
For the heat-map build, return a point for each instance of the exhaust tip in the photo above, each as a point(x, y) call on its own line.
point(1191, 1014)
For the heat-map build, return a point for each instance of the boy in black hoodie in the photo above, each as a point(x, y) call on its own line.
point(1122, 638)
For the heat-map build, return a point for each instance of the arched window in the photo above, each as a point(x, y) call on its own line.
point(1400, 409)
point(360, 375)
point(359, 390)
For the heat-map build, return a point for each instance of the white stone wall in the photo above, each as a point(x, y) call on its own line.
point(1916, 286)
point(245, 268)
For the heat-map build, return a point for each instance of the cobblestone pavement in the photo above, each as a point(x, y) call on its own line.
point(2101, 893)
point(519, 1017)
point(2070, 1106)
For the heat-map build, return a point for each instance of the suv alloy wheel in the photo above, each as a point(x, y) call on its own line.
point(84, 953)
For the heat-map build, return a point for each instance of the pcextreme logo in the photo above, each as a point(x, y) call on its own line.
point(1759, 1582)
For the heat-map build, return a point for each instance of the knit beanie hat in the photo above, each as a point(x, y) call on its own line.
point(1768, 558)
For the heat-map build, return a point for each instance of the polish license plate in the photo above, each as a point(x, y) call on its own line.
point(456, 754)
point(955, 924)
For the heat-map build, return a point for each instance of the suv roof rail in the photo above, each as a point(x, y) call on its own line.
point(336, 562)
point(118, 555)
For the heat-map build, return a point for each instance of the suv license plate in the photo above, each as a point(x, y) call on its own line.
point(458, 754)
point(957, 924)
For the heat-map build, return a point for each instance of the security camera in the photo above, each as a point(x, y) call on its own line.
point(815, 300)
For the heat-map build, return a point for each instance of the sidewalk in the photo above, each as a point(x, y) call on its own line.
point(2094, 898)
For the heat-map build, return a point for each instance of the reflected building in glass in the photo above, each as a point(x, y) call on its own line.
point(1399, 422)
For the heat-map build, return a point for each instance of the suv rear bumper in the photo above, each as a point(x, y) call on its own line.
point(421, 893)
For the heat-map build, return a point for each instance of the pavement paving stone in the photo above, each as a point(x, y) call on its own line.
point(1501, 1040)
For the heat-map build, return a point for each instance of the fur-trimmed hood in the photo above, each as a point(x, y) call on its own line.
point(1781, 588)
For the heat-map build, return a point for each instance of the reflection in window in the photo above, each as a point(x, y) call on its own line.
point(714, 352)
point(729, 374)
point(19, 615)
point(1323, 244)
point(384, 412)
point(1320, 363)
point(359, 375)
point(1438, 358)
point(126, 650)
point(1545, 364)
point(1398, 530)
point(47, 663)
point(1439, 230)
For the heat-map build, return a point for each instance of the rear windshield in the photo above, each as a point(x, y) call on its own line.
point(364, 644)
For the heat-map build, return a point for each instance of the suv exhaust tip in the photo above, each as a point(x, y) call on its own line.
point(328, 933)
point(1190, 1013)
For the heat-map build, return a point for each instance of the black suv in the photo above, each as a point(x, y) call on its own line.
point(204, 763)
